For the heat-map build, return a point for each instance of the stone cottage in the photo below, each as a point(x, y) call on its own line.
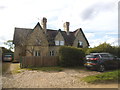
point(41, 41)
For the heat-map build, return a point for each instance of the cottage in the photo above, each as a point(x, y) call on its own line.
point(41, 41)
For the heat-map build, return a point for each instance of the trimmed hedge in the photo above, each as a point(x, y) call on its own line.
point(71, 56)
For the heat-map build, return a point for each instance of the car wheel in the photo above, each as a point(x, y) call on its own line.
point(101, 68)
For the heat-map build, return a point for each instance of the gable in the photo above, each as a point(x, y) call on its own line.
point(59, 36)
point(80, 37)
point(37, 37)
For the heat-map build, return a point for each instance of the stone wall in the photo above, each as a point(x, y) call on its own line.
point(80, 37)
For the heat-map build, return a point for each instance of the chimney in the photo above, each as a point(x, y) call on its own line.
point(44, 24)
point(66, 27)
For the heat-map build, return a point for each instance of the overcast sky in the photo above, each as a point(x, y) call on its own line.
point(97, 18)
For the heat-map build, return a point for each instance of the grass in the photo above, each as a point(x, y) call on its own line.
point(17, 69)
point(107, 76)
point(46, 68)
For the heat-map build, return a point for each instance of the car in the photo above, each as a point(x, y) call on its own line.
point(7, 58)
point(101, 61)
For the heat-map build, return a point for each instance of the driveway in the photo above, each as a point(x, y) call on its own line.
point(68, 78)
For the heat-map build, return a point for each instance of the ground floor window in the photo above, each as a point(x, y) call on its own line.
point(36, 53)
point(52, 53)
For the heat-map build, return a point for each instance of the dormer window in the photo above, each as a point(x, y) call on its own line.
point(59, 43)
point(56, 43)
point(80, 44)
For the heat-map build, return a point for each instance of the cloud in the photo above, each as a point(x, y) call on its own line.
point(94, 16)
point(94, 10)
point(2, 7)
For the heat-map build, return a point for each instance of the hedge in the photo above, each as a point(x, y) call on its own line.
point(71, 56)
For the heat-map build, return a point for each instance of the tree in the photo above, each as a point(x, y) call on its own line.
point(9, 43)
point(5, 50)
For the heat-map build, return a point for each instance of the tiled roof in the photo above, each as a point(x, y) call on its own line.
point(21, 34)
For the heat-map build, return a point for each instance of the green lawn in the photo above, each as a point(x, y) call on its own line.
point(46, 68)
point(106, 76)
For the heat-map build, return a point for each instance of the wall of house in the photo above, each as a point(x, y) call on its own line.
point(31, 49)
point(55, 49)
point(59, 37)
point(17, 53)
point(37, 41)
point(80, 37)
point(37, 38)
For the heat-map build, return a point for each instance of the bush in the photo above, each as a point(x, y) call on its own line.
point(71, 56)
point(105, 47)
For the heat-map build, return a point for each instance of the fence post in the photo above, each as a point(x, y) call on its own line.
point(21, 63)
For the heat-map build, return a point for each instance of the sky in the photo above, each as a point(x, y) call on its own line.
point(97, 18)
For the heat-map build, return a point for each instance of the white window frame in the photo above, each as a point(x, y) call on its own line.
point(36, 53)
point(52, 53)
point(61, 43)
point(80, 43)
point(57, 42)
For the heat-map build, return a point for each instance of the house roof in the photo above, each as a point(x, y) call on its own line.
point(20, 35)
point(51, 34)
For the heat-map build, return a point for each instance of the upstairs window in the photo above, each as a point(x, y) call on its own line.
point(80, 44)
point(56, 42)
point(59, 43)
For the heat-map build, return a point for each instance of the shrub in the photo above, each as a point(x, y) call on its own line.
point(71, 56)
point(104, 47)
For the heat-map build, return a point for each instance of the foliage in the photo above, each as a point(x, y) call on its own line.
point(5, 50)
point(9, 43)
point(104, 47)
point(107, 76)
point(71, 56)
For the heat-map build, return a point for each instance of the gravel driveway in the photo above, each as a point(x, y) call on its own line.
point(68, 78)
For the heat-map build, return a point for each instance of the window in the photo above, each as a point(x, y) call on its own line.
point(61, 43)
point(52, 53)
point(80, 44)
point(58, 42)
point(36, 53)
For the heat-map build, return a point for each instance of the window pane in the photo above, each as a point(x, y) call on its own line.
point(80, 43)
point(61, 42)
point(56, 42)
point(52, 53)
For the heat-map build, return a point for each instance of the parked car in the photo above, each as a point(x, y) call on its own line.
point(8, 57)
point(101, 61)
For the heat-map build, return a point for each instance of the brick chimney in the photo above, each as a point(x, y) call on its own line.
point(66, 27)
point(44, 24)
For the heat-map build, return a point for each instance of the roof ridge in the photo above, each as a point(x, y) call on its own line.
point(23, 28)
